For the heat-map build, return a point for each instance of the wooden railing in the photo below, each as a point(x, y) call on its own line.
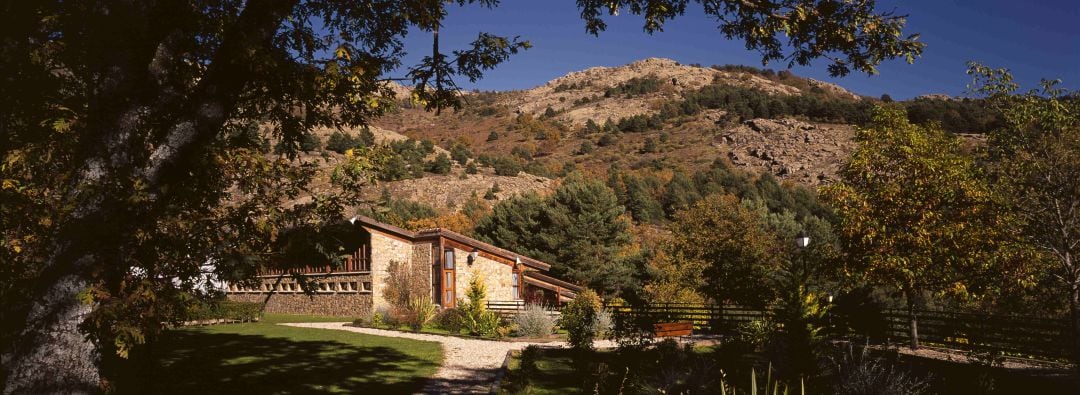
point(507, 308)
point(706, 318)
point(1020, 336)
point(358, 262)
point(1015, 335)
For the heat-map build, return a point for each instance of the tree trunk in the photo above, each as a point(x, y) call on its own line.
point(52, 356)
point(913, 322)
point(1074, 317)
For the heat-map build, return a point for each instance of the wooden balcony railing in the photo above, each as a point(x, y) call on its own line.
point(358, 262)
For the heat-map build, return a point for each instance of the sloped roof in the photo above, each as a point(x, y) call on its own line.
point(427, 234)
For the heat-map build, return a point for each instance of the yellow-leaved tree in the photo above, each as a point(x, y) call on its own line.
point(914, 212)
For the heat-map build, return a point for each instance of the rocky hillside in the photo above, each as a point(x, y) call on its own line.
point(545, 127)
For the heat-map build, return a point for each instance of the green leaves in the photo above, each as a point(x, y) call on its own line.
point(913, 209)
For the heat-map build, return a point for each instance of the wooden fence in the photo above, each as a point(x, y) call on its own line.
point(357, 262)
point(706, 318)
point(1016, 335)
point(508, 308)
point(1029, 337)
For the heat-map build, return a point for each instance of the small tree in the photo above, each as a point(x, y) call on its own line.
point(586, 147)
point(460, 153)
point(475, 317)
point(440, 165)
point(650, 146)
point(579, 319)
point(340, 142)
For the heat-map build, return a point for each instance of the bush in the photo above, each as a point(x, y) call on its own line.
point(440, 165)
point(604, 324)
point(460, 153)
point(579, 319)
point(856, 373)
point(505, 166)
point(534, 321)
point(448, 320)
point(475, 317)
point(419, 311)
point(585, 148)
point(493, 136)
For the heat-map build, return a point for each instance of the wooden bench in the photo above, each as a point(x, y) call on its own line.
point(673, 329)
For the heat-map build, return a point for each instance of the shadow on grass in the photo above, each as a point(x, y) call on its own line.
point(197, 362)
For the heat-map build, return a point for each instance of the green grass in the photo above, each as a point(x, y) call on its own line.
point(554, 375)
point(267, 358)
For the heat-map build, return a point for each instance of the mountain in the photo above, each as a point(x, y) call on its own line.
point(545, 127)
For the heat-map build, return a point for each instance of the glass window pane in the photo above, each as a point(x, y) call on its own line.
point(449, 279)
point(448, 259)
point(449, 297)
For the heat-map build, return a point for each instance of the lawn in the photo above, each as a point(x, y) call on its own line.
point(267, 358)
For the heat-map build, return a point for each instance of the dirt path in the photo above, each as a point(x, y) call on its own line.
point(469, 365)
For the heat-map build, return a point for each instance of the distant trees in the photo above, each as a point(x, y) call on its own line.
point(580, 230)
point(460, 153)
point(405, 159)
point(340, 141)
point(440, 165)
point(635, 86)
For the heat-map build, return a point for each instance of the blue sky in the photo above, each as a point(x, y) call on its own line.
point(1036, 39)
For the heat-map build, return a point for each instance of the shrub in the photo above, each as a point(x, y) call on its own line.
point(440, 165)
point(493, 136)
point(856, 373)
point(460, 153)
point(754, 334)
point(534, 321)
point(471, 168)
point(448, 320)
point(475, 317)
point(420, 311)
point(604, 324)
point(585, 148)
point(607, 139)
point(505, 166)
point(579, 319)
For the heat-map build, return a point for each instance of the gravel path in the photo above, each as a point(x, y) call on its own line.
point(469, 365)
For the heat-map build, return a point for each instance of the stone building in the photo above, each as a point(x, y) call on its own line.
point(445, 261)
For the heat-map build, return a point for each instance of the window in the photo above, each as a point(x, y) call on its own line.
point(448, 259)
point(367, 286)
point(515, 286)
point(449, 279)
point(449, 294)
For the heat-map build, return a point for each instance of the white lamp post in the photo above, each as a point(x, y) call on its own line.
point(802, 241)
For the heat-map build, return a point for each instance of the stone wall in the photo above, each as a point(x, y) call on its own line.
point(385, 249)
point(497, 276)
point(337, 295)
point(423, 261)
